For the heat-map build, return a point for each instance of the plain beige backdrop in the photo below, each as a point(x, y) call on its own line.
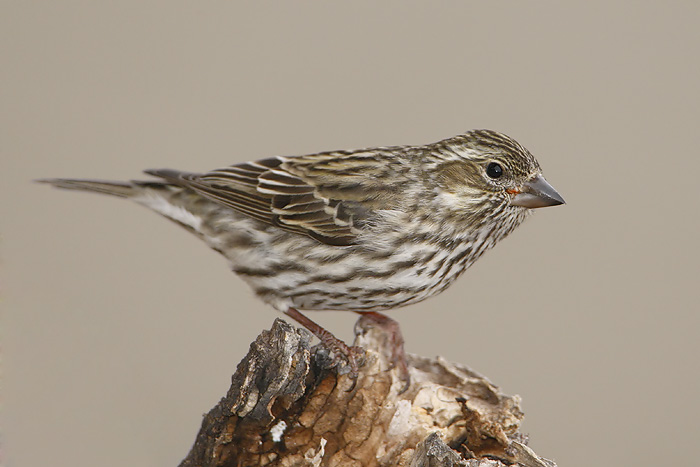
point(120, 330)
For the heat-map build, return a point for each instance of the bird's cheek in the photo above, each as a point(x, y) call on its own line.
point(454, 201)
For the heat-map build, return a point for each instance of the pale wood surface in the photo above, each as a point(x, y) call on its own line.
point(289, 406)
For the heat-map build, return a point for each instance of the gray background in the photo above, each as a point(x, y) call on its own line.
point(120, 330)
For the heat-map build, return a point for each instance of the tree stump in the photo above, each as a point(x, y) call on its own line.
point(290, 405)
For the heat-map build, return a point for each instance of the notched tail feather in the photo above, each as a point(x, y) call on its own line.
point(113, 188)
point(120, 189)
point(159, 196)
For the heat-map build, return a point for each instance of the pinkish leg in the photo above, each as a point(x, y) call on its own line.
point(398, 355)
point(338, 347)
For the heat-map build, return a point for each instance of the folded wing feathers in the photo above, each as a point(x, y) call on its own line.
point(270, 194)
point(242, 201)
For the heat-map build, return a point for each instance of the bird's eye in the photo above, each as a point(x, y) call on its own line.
point(494, 170)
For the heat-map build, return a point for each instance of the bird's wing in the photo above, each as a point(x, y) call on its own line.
point(328, 196)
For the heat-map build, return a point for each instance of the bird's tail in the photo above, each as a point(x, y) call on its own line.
point(120, 189)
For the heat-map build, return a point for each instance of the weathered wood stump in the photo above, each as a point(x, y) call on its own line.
point(289, 405)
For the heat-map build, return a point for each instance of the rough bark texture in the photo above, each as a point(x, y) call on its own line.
point(288, 405)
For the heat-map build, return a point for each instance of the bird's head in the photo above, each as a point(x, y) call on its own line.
point(484, 168)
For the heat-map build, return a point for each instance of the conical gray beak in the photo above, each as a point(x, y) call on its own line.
point(537, 193)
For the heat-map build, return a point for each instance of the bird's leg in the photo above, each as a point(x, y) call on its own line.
point(398, 354)
point(338, 347)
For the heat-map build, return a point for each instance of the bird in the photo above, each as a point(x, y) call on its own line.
point(366, 230)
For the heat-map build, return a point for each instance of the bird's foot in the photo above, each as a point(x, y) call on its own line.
point(353, 356)
point(342, 353)
point(395, 343)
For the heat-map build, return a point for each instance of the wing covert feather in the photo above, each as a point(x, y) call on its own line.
point(327, 196)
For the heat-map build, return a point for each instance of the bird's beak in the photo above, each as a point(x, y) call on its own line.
point(536, 193)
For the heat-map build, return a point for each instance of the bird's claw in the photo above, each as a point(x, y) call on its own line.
point(346, 355)
point(395, 343)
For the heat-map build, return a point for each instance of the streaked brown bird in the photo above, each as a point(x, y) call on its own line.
point(365, 231)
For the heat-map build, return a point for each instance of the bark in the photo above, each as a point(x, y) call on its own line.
point(290, 405)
